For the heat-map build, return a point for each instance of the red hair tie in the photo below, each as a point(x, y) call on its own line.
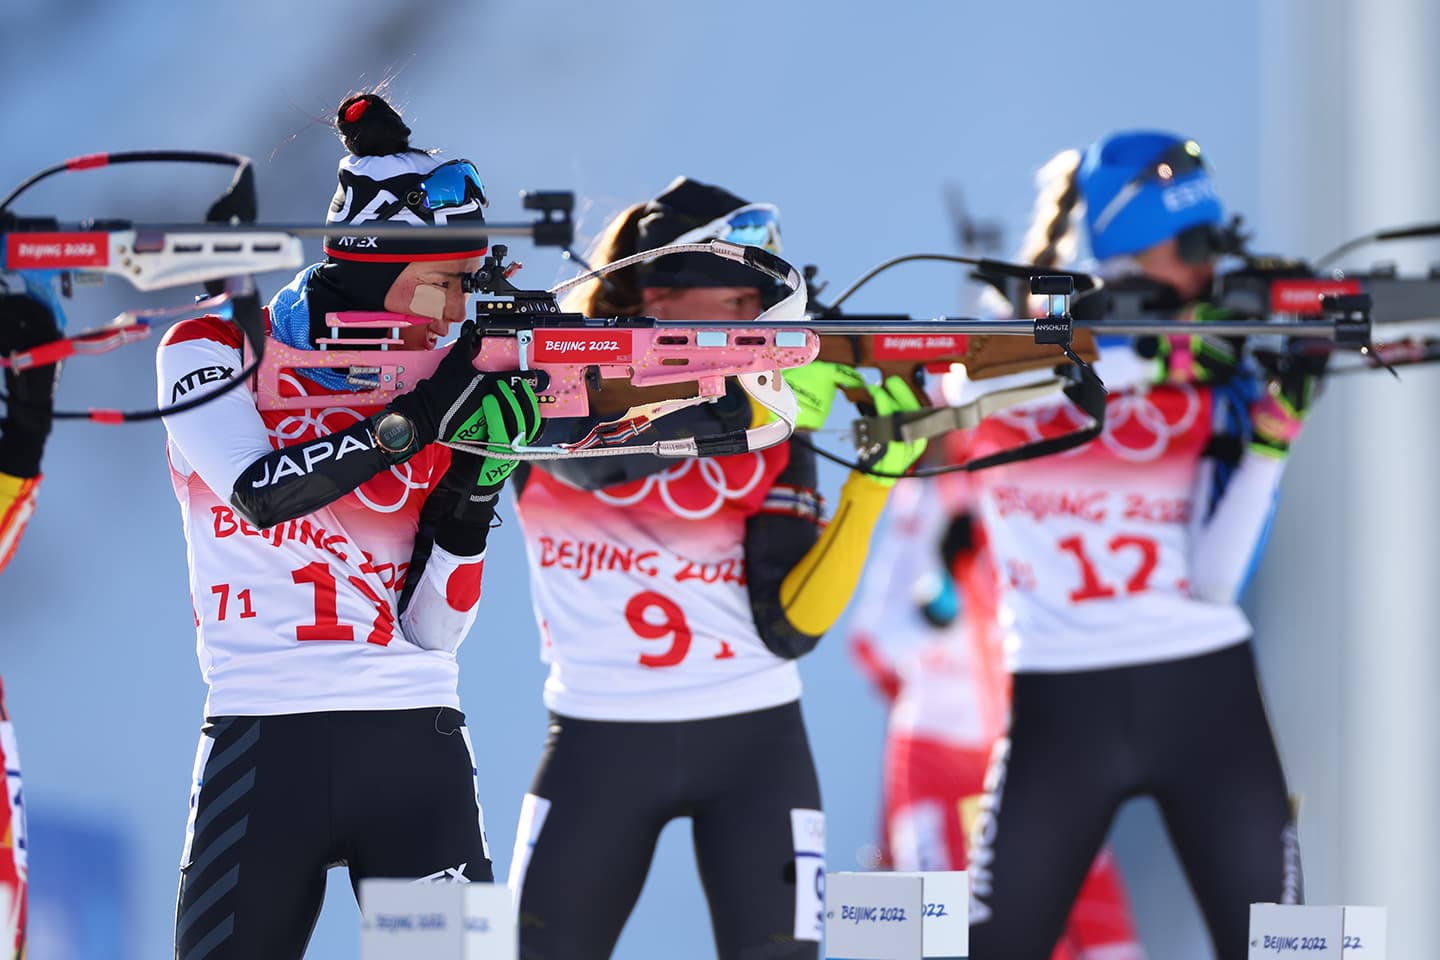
point(356, 110)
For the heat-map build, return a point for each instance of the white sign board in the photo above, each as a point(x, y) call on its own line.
point(1316, 933)
point(1364, 937)
point(489, 912)
point(401, 920)
point(873, 916)
point(897, 916)
point(944, 914)
point(8, 923)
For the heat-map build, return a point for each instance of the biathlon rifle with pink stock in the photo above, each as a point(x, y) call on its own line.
point(567, 355)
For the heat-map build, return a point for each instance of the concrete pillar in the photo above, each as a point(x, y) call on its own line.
point(1347, 605)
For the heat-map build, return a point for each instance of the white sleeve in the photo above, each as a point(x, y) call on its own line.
point(219, 439)
point(1226, 545)
point(443, 604)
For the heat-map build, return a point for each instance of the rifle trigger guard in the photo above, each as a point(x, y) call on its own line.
point(523, 341)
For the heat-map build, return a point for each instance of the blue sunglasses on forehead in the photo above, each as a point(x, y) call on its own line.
point(755, 224)
point(452, 184)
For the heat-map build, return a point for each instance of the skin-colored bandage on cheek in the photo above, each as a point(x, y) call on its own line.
point(428, 300)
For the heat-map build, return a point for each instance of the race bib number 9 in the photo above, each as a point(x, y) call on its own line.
point(808, 827)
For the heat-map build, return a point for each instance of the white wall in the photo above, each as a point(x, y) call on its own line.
point(1346, 602)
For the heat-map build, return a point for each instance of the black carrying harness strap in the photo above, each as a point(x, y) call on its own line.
point(1087, 392)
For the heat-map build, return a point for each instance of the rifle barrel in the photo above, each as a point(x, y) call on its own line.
point(889, 325)
point(1320, 329)
point(300, 229)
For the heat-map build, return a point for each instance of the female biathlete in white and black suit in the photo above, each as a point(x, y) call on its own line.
point(335, 562)
point(673, 599)
point(1120, 567)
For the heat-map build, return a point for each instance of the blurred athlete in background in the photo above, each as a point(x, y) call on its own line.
point(924, 633)
point(29, 398)
point(1120, 566)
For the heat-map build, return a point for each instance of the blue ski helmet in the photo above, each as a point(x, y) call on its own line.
point(1142, 187)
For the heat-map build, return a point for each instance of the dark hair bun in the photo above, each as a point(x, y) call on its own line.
point(370, 127)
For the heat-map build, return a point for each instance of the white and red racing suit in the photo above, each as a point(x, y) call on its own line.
point(304, 616)
point(13, 865)
point(327, 633)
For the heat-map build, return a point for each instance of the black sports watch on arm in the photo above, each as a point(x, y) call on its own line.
point(394, 436)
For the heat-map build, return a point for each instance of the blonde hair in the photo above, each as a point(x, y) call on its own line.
point(1053, 239)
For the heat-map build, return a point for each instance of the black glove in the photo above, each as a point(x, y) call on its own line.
point(1197, 358)
point(1291, 383)
point(26, 323)
point(458, 512)
point(506, 409)
point(426, 405)
point(1299, 371)
point(453, 403)
point(894, 459)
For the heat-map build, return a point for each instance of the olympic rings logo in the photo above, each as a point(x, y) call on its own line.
point(315, 422)
point(1133, 417)
point(692, 489)
point(1139, 426)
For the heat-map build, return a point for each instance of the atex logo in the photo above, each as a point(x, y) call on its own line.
point(195, 378)
point(448, 875)
point(359, 243)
